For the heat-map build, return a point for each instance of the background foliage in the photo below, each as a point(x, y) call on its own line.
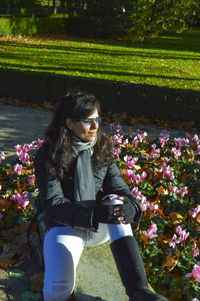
point(95, 18)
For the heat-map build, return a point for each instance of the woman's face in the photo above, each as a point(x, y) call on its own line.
point(85, 129)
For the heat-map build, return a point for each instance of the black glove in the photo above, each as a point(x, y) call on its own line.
point(105, 214)
point(128, 211)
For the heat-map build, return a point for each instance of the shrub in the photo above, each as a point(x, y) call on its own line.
point(164, 175)
point(29, 26)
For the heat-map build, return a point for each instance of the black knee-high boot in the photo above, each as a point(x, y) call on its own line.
point(131, 269)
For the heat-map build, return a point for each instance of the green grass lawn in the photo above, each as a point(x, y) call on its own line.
point(168, 61)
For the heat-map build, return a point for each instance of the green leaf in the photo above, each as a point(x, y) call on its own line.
point(17, 273)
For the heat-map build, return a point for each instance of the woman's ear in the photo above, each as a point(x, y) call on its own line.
point(69, 123)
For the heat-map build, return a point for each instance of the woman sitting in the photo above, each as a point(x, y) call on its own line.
point(85, 201)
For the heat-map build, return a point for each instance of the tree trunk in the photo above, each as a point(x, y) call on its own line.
point(55, 5)
point(62, 4)
point(8, 6)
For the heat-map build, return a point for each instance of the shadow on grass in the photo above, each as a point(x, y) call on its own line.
point(84, 69)
point(186, 41)
point(137, 99)
point(144, 49)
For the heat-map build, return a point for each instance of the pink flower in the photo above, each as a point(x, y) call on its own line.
point(22, 200)
point(135, 190)
point(196, 250)
point(130, 175)
point(155, 153)
point(153, 228)
point(182, 191)
point(164, 134)
point(195, 299)
point(153, 207)
point(173, 241)
point(150, 232)
point(18, 168)
point(135, 141)
point(135, 177)
point(198, 150)
point(130, 161)
point(165, 161)
point(117, 138)
point(137, 193)
point(37, 144)
point(163, 142)
point(117, 152)
point(24, 157)
point(175, 190)
point(179, 230)
point(176, 152)
point(144, 204)
point(196, 139)
point(195, 212)
point(125, 142)
point(26, 147)
point(143, 175)
point(2, 156)
point(164, 137)
point(181, 142)
point(141, 136)
point(183, 235)
point(18, 147)
point(31, 179)
point(116, 128)
point(112, 126)
point(168, 172)
point(195, 272)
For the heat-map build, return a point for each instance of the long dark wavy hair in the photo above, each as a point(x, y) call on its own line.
point(59, 155)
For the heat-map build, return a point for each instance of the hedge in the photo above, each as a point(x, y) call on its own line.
point(150, 101)
point(29, 25)
point(81, 26)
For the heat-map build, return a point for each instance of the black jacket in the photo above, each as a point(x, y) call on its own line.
point(56, 197)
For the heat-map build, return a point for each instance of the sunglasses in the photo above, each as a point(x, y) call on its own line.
point(90, 121)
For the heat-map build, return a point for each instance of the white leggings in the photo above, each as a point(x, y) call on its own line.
point(63, 247)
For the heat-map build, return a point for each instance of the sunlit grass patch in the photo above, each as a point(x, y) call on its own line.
point(168, 61)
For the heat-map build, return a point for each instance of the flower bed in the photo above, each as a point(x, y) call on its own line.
point(164, 175)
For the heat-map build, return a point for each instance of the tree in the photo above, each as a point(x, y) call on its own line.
point(62, 2)
point(156, 16)
point(8, 6)
point(101, 18)
point(55, 6)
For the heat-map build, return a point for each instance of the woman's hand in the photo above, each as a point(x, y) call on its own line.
point(114, 209)
point(118, 210)
point(105, 214)
point(125, 212)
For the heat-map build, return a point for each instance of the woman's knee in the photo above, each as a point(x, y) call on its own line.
point(57, 291)
point(119, 230)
